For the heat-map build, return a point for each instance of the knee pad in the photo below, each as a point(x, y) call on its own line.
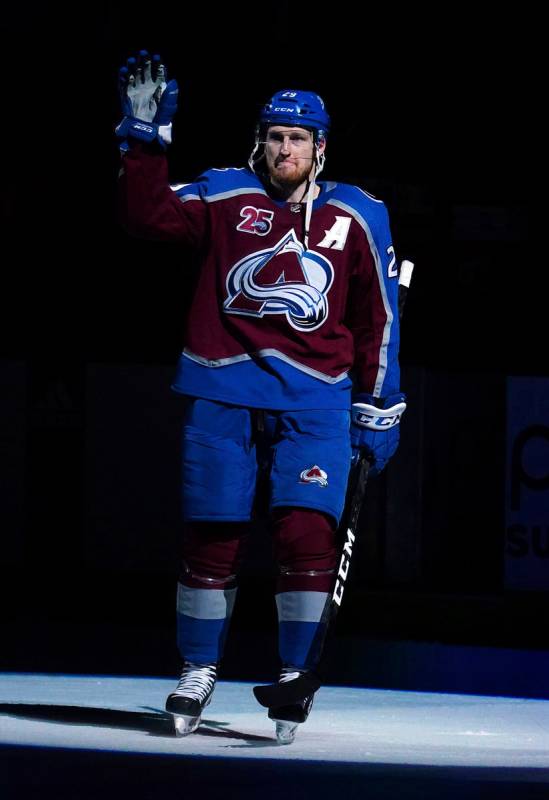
point(212, 554)
point(305, 549)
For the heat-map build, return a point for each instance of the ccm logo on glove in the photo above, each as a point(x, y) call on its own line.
point(367, 415)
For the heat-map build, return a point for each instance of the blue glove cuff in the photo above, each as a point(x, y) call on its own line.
point(140, 130)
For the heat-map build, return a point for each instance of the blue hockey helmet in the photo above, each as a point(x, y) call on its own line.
point(294, 107)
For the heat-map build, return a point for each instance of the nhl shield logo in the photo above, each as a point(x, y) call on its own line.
point(314, 475)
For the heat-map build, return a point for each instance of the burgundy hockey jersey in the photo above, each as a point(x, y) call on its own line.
point(272, 324)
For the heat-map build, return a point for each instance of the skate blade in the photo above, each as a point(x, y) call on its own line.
point(184, 724)
point(285, 731)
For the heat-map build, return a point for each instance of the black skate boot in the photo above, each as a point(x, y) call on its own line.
point(287, 718)
point(192, 694)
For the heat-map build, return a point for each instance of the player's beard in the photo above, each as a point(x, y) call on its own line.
point(290, 179)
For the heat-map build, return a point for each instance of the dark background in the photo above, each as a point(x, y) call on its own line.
point(438, 117)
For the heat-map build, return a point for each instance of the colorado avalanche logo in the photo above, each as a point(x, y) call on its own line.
point(285, 279)
point(314, 475)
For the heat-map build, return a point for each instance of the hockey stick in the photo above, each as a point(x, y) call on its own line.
point(294, 691)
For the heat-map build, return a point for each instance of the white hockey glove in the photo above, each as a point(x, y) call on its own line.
point(148, 101)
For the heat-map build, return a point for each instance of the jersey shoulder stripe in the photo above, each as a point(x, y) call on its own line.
point(220, 184)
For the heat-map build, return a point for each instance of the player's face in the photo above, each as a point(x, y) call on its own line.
point(289, 153)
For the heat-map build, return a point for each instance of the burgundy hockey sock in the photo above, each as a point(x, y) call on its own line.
point(206, 592)
point(306, 553)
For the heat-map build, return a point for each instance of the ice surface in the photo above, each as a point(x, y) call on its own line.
point(125, 714)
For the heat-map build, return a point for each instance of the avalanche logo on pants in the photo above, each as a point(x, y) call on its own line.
point(285, 279)
point(314, 475)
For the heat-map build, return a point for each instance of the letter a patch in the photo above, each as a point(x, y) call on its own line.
point(336, 237)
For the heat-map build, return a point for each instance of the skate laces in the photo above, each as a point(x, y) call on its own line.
point(289, 673)
point(197, 681)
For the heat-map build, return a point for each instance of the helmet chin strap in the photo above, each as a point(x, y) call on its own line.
point(317, 169)
point(252, 161)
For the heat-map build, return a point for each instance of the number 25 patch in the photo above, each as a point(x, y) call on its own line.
point(255, 220)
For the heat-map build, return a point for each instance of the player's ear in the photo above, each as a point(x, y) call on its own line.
point(321, 144)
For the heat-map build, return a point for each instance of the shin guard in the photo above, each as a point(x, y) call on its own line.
point(206, 591)
point(307, 558)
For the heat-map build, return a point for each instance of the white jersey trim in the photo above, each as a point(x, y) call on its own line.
point(213, 198)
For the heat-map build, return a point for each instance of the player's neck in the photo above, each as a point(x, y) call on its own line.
point(293, 194)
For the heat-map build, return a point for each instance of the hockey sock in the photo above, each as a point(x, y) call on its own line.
point(212, 553)
point(306, 554)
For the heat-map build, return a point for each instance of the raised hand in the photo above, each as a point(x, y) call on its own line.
point(148, 101)
point(142, 83)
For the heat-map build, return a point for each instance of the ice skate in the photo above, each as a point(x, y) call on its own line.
point(287, 718)
point(192, 694)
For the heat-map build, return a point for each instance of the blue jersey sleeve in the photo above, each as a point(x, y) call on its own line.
point(373, 299)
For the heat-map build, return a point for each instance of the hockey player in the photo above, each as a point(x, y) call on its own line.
point(297, 287)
